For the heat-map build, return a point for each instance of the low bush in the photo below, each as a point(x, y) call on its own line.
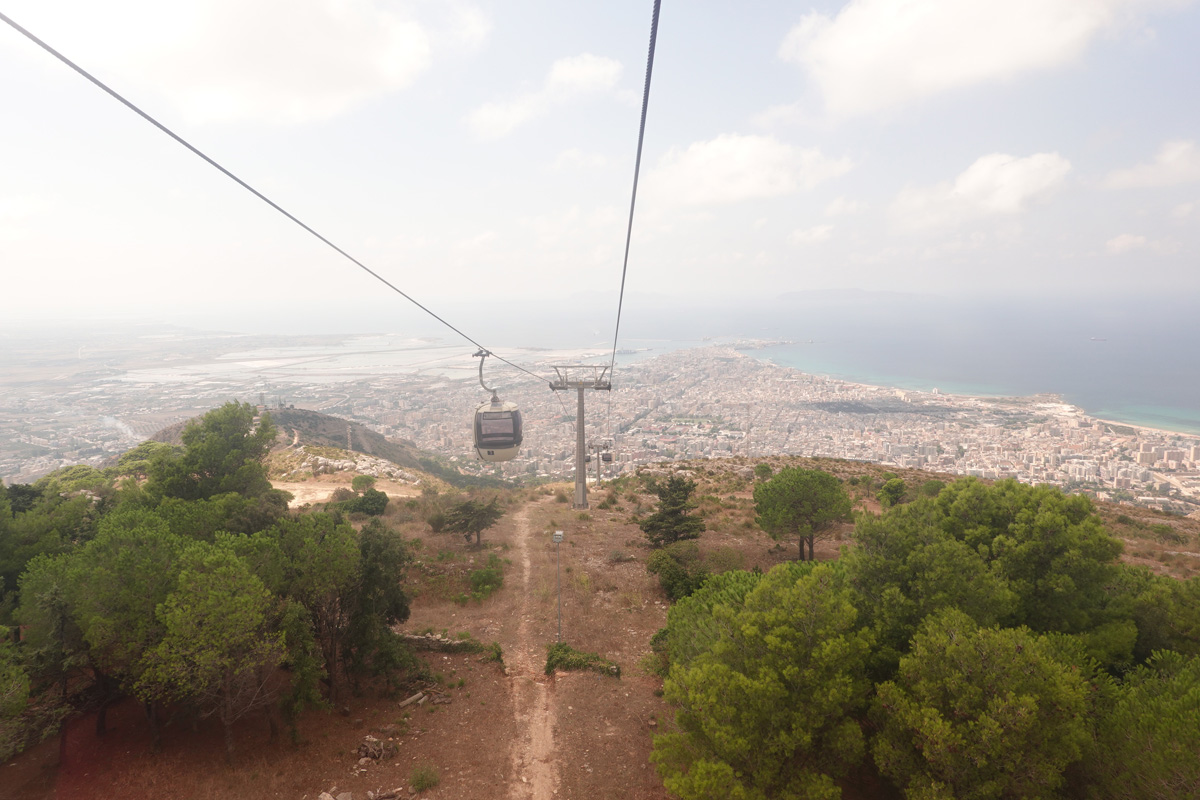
point(561, 656)
point(680, 569)
point(619, 557)
point(424, 776)
point(372, 502)
point(487, 579)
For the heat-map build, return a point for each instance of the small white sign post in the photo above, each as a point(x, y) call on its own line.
point(558, 536)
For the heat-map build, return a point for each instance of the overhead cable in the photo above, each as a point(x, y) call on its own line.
point(128, 104)
point(637, 166)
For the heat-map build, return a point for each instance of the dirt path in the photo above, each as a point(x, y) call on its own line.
point(501, 732)
point(534, 768)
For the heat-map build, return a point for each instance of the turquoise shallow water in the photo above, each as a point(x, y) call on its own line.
point(1130, 402)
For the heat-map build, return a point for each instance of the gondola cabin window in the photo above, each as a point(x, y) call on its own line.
point(500, 428)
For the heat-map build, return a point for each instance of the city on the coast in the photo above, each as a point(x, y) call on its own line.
point(709, 402)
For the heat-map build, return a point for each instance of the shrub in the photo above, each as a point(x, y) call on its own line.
point(1167, 534)
point(372, 502)
point(341, 495)
point(437, 521)
point(361, 483)
point(724, 559)
point(932, 488)
point(486, 579)
point(424, 776)
point(619, 557)
point(679, 568)
point(892, 493)
point(561, 656)
point(493, 653)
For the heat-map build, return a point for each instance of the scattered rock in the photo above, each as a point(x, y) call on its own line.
point(324, 796)
point(358, 462)
point(358, 723)
point(371, 749)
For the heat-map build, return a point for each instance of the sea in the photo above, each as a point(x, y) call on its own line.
point(1134, 360)
point(1130, 360)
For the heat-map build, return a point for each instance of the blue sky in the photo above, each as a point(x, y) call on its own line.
point(480, 154)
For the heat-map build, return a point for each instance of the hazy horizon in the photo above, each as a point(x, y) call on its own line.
point(1129, 358)
point(485, 150)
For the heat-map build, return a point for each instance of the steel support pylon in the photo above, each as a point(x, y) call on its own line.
point(580, 459)
point(580, 377)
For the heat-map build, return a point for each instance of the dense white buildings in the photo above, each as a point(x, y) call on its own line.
point(703, 403)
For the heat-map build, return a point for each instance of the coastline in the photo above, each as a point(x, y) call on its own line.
point(1108, 417)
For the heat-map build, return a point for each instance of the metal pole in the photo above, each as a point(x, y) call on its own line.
point(558, 576)
point(580, 450)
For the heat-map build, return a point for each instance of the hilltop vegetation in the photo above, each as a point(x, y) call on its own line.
point(317, 431)
point(949, 639)
point(190, 587)
point(980, 642)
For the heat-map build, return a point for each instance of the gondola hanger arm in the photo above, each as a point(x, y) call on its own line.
point(482, 355)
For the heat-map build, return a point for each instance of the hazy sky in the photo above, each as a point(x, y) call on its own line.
point(478, 150)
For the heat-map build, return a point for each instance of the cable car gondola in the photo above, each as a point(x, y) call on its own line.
point(497, 424)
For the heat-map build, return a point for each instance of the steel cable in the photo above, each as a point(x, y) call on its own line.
point(128, 104)
point(637, 167)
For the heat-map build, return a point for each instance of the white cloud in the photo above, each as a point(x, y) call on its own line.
point(493, 120)
point(1177, 162)
point(1129, 242)
point(1183, 210)
point(277, 61)
point(568, 78)
point(732, 168)
point(814, 235)
point(1125, 243)
point(573, 157)
point(842, 207)
point(468, 26)
point(778, 116)
point(878, 54)
point(582, 73)
point(995, 185)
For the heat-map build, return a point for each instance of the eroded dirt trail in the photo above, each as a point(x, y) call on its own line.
point(535, 773)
